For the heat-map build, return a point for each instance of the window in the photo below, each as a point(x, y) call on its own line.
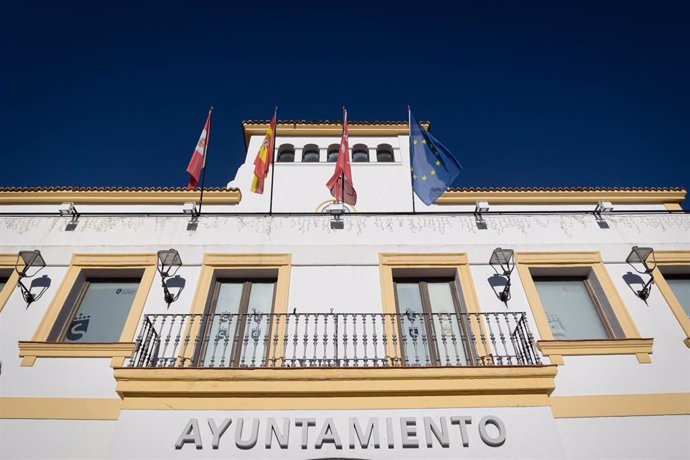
point(333, 153)
point(238, 323)
point(97, 309)
point(99, 312)
point(236, 294)
point(576, 307)
point(360, 153)
point(384, 153)
point(8, 277)
point(286, 153)
point(429, 321)
point(672, 277)
point(310, 154)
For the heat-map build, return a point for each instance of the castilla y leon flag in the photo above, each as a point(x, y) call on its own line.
point(198, 160)
point(264, 158)
point(343, 172)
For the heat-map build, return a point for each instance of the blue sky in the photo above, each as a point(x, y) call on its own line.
point(524, 93)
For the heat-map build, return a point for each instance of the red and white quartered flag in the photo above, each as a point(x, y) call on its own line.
point(198, 160)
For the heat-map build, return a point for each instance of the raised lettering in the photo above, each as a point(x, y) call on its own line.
point(408, 432)
point(461, 422)
point(372, 430)
point(305, 423)
point(216, 431)
point(489, 440)
point(246, 443)
point(190, 433)
point(328, 433)
point(432, 430)
point(389, 433)
point(281, 437)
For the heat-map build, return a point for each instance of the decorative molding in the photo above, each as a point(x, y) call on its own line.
point(29, 351)
point(670, 258)
point(60, 408)
point(123, 196)
point(620, 405)
point(455, 197)
point(109, 260)
point(335, 388)
point(641, 348)
point(402, 259)
point(220, 260)
point(7, 262)
point(558, 258)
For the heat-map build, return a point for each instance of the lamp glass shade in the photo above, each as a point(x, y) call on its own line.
point(167, 260)
point(639, 255)
point(503, 259)
point(32, 259)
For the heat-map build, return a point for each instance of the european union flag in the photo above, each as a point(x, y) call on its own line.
point(434, 168)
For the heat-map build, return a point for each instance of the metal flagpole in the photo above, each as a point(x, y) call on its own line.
point(409, 137)
point(273, 158)
point(203, 173)
point(342, 173)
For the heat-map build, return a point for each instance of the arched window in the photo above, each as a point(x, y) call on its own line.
point(384, 153)
point(333, 153)
point(310, 153)
point(360, 153)
point(286, 153)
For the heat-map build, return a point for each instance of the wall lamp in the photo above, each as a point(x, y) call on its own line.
point(603, 207)
point(29, 260)
point(69, 210)
point(503, 262)
point(168, 261)
point(191, 210)
point(481, 207)
point(638, 259)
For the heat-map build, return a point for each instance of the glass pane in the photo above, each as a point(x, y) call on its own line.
point(3, 282)
point(449, 343)
point(223, 327)
point(681, 289)
point(102, 312)
point(413, 338)
point(257, 325)
point(570, 310)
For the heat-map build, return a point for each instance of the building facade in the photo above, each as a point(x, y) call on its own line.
point(285, 325)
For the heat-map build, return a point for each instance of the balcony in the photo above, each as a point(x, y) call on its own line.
point(334, 340)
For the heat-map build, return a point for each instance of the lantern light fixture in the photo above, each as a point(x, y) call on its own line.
point(503, 262)
point(27, 260)
point(169, 261)
point(642, 260)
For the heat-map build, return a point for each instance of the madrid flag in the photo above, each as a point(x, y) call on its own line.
point(198, 160)
point(264, 158)
point(341, 181)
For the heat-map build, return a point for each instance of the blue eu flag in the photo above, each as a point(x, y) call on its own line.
point(434, 168)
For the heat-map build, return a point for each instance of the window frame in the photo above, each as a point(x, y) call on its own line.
point(215, 266)
point(666, 259)
point(555, 349)
point(7, 262)
point(41, 346)
point(456, 262)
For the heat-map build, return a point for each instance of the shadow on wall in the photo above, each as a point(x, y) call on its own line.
point(633, 280)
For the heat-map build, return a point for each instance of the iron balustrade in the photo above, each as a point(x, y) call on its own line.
point(271, 340)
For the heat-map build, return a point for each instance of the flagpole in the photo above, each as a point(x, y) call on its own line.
point(342, 173)
point(273, 154)
point(409, 137)
point(203, 173)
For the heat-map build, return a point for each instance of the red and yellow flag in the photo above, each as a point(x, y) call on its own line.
point(264, 158)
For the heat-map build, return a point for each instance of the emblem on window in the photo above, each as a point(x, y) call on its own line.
point(78, 327)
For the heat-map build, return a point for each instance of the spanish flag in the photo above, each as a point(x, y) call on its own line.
point(264, 158)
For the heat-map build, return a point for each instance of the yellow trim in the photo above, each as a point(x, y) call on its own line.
point(8, 261)
point(593, 260)
point(326, 129)
point(335, 388)
point(620, 405)
point(673, 258)
point(673, 206)
point(32, 350)
point(217, 261)
point(98, 261)
point(60, 408)
point(562, 196)
point(222, 197)
point(642, 348)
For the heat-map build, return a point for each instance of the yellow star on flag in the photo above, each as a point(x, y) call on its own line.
point(438, 163)
point(415, 142)
point(423, 141)
point(414, 176)
point(433, 173)
point(423, 177)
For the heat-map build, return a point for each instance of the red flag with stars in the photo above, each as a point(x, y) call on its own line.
point(340, 184)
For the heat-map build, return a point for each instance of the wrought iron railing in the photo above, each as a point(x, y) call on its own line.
point(260, 340)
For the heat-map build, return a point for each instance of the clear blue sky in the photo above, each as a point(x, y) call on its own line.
point(524, 93)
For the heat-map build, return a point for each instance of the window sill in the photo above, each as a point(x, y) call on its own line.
point(29, 351)
point(556, 349)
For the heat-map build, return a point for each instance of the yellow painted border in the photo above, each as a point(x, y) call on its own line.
point(80, 262)
point(456, 261)
point(60, 408)
point(216, 261)
point(335, 388)
point(673, 258)
point(549, 346)
point(8, 261)
point(620, 405)
point(122, 196)
point(665, 197)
